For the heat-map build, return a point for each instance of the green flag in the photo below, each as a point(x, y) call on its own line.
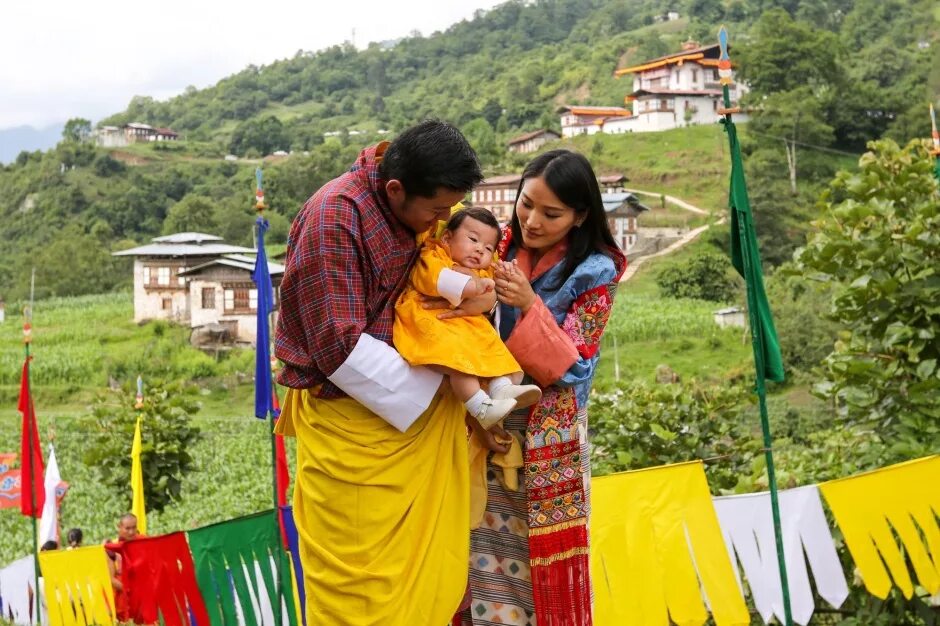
point(225, 554)
point(746, 260)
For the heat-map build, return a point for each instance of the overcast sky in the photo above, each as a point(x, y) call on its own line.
point(66, 58)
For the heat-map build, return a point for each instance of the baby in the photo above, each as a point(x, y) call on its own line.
point(456, 266)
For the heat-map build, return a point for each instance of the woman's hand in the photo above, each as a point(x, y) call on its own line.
point(513, 288)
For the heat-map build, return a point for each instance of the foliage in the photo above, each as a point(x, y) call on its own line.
point(167, 435)
point(76, 129)
point(877, 248)
point(640, 425)
point(799, 307)
point(706, 276)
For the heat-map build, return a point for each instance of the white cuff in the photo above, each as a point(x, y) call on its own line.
point(377, 377)
point(450, 285)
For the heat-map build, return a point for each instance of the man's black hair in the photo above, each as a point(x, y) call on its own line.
point(431, 155)
point(75, 536)
point(479, 214)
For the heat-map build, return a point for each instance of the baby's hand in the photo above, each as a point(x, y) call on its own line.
point(477, 287)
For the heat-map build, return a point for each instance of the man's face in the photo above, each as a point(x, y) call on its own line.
point(127, 529)
point(417, 212)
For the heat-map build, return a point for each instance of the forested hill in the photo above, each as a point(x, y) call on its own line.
point(829, 73)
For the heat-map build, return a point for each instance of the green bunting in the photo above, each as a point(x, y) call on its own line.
point(224, 553)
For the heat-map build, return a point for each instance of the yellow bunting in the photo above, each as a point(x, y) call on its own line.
point(902, 498)
point(77, 586)
point(654, 539)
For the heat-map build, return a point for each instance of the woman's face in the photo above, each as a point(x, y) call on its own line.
point(545, 220)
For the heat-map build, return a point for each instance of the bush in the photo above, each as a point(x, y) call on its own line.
point(705, 276)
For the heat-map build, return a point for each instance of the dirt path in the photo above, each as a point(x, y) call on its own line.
point(686, 239)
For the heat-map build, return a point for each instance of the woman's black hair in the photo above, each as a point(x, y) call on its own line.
point(75, 536)
point(479, 214)
point(570, 177)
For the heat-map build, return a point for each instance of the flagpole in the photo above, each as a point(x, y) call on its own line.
point(757, 338)
point(27, 339)
point(260, 206)
point(936, 143)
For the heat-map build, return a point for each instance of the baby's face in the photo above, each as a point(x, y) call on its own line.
point(472, 245)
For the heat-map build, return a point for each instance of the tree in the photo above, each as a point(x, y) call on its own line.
point(786, 54)
point(76, 130)
point(706, 276)
point(166, 435)
point(878, 247)
point(193, 213)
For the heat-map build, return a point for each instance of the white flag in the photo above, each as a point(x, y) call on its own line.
point(49, 524)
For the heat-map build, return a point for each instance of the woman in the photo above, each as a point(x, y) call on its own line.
point(529, 554)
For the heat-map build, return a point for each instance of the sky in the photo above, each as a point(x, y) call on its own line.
point(61, 58)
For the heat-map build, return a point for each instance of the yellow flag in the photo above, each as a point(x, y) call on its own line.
point(137, 484)
point(654, 538)
point(868, 507)
point(77, 586)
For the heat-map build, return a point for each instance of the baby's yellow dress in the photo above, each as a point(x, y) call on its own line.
point(466, 344)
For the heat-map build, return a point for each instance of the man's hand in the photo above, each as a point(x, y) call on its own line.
point(471, 306)
point(488, 437)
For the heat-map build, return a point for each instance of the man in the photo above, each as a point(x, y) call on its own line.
point(382, 501)
point(127, 530)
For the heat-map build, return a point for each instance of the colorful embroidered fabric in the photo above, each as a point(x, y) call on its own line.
point(556, 467)
point(159, 580)
point(77, 586)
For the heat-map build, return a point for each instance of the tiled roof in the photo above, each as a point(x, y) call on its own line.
point(532, 135)
point(592, 110)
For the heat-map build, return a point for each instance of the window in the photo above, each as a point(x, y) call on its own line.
point(167, 304)
point(180, 279)
point(208, 297)
point(229, 297)
point(694, 77)
point(146, 275)
point(663, 105)
point(715, 75)
point(163, 276)
point(240, 297)
point(253, 299)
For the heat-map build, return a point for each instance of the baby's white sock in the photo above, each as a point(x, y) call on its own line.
point(475, 403)
point(498, 383)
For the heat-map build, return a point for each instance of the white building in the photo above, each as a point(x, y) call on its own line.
point(221, 292)
point(676, 90)
point(161, 288)
point(587, 120)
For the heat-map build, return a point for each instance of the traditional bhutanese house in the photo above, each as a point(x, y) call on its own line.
point(622, 210)
point(612, 183)
point(587, 120)
point(677, 90)
point(498, 194)
point(164, 134)
point(530, 142)
point(161, 289)
point(135, 131)
point(221, 292)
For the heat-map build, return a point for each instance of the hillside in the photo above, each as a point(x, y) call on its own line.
point(501, 73)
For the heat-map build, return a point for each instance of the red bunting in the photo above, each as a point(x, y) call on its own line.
point(31, 466)
point(160, 580)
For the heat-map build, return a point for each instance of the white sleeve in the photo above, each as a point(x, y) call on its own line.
point(450, 284)
point(377, 377)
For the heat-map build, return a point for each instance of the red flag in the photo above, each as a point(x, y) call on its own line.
point(31, 465)
point(281, 472)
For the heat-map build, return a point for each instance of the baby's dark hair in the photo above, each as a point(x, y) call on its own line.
point(479, 214)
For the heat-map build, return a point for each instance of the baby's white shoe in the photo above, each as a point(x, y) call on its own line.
point(524, 395)
point(494, 410)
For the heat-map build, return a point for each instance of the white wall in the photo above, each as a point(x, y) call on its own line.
point(148, 303)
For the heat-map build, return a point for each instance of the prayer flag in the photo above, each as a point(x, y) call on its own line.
point(49, 524)
point(33, 496)
point(138, 506)
point(262, 279)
